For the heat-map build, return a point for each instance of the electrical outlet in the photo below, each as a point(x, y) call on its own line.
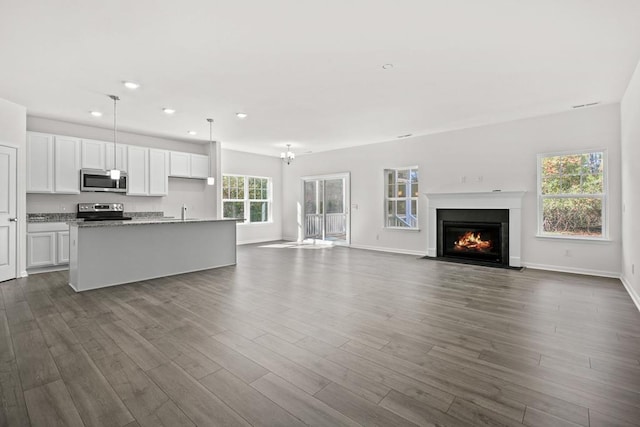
point(567, 252)
point(463, 179)
point(377, 237)
point(479, 178)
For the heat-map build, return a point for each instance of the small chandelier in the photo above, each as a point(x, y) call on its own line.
point(288, 156)
point(115, 172)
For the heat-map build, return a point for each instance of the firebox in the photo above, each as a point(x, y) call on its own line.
point(475, 235)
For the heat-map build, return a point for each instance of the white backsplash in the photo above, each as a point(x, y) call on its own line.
point(195, 193)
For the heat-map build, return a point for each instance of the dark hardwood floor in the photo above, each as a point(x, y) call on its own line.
point(328, 336)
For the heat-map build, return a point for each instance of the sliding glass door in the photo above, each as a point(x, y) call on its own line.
point(326, 208)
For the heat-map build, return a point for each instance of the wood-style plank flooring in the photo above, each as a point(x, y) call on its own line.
point(325, 336)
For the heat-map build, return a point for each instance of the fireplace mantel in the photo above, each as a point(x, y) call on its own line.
point(511, 200)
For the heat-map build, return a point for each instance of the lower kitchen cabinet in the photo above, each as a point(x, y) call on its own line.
point(41, 249)
point(47, 244)
point(62, 255)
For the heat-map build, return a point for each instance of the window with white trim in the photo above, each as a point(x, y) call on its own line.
point(401, 198)
point(247, 198)
point(572, 194)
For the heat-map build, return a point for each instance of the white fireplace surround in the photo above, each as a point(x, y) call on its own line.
point(511, 200)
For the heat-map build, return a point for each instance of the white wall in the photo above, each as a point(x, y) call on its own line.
point(200, 199)
point(241, 163)
point(630, 119)
point(13, 133)
point(504, 155)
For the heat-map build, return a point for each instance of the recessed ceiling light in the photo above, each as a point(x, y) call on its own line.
point(192, 132)
point(387, 66)
point(95, 113)
point(131, 85)
point(168, 110)
point(241, 115)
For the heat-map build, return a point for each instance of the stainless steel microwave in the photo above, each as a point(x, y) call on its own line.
point(99, 180)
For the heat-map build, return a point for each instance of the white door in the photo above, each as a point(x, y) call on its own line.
point(8, 219)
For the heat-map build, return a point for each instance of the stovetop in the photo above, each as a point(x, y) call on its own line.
point(101, 212)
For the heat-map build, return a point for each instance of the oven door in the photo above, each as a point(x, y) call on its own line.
point(99, 180)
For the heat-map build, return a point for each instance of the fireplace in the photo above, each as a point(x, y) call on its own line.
point(474, 235)
point(510, 202)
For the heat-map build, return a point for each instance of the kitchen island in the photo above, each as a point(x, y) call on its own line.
point(107, 253)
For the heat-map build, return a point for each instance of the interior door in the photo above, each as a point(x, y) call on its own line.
point(326, 208)
point(8, 225)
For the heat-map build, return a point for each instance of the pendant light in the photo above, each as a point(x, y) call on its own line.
point(210, 179)
point(115, 172)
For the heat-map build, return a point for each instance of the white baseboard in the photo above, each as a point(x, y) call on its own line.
point(635, 297)
point(38, 270)
point(563, 269)
point(249, 242)
point(392, 250)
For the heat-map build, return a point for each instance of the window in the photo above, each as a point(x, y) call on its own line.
point(246, 197)
point(572, 194)
point(401, 198)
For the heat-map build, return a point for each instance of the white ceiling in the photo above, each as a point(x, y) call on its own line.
point(310, 73)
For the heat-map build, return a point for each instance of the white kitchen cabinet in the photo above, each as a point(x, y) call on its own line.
point(53, 164)
point(39, 163)
point(93, 154)
point(62, 255)
point(188, 165)
point(138, 171)
point(180, 164)
point(148, 171)
point(66, 165)
point(158, 172)
point(47, 244)
point(121, 157)
point(41, 249)
point(199, 166)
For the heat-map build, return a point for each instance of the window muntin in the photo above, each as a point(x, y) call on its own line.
point(247, 198)
point(572, 194)
point(401, 198)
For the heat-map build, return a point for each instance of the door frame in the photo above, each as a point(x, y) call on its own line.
point(19, 229)
point(347, 204)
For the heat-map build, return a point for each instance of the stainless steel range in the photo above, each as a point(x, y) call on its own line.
point(101, 212)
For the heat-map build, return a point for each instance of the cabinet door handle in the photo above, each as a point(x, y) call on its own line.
point(13, 219)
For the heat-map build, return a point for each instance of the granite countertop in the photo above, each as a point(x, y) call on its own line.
point(143, 221)
point(70, 217)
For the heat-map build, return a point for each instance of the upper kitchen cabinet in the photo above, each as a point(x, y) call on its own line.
point(66, 167)
point(158, 172)
point(179, 164)
point(121, 157)
point(138, 173)
point(188, 165)
point(53, 164)
point(39, 163)
point(99, 155)
point(94, 154)
point(148, 171)
point(199, 166)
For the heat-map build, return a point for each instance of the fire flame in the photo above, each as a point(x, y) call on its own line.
point(473, 241)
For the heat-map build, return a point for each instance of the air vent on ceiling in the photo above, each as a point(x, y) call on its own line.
point(591, 104)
